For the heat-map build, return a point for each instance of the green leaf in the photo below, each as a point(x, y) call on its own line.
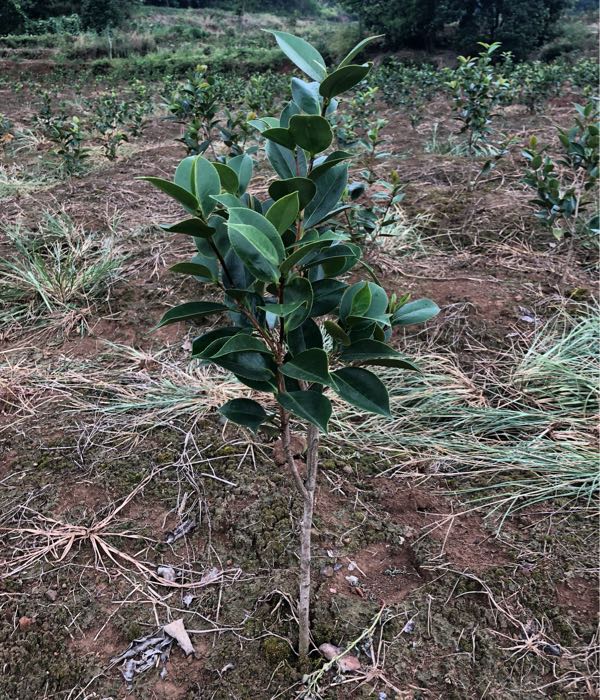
point(362, 389)
point(310, 132)
point(282, 137)
point(301, 252)
point(242, 166)
point(254, 366)
point(306, 336)
point(337, 332)
point(206, 183)
point(310, 405)
point(309, 366)
point(306, 96)
point(343, 79)
point(228, 177)
point(358, 48)
point(229, 201)
point(242, 342)
point(282, 309)
point(364, 300)
point(417, 311)
point(201, 343)
point(244, 412)
point(281, 159)
point(193, 309)
point(184, 174)
point(284, 212)
point(257, 243)
point(330, 187)
point(242, 216)
point(302, 54)
point(191, 227)
point(328, 293)
point(374, 352)
point(305, 188)
point(323, 164)
point(190, 268)
point(184, 197)
point(298, 289)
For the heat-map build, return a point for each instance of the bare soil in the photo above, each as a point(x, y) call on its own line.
point(470, 612)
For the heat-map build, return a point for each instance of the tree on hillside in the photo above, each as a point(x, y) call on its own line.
point(520, 25)
point(101, 14)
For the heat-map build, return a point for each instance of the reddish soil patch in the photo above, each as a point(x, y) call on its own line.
point(579, 598)
point(464, 541)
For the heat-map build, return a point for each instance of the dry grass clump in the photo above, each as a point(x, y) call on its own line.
point(60, 274)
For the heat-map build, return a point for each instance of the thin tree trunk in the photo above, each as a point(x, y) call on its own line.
point(312, 463)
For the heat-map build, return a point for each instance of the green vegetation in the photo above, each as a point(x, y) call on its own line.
point(277, 265)
point(443, 527)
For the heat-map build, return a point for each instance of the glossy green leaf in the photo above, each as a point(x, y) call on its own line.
point(248, 217)
point(311, 132)
point(282, 137)
point(282, 160)
point(309, 366)
point(328, 293)
point(185, 174)
point(306, 336)
point(257, 243)
point(282, 310)
point(192, 309)
point(417, 311)
point(185, 198)
point(244, 412)
point(362, 389)
point(229, 201)
point(358, 48)
point(242, 166)
point(228, 177)
point(298, 289)
point(337, 332)
point(206, 183)
point(254, 366)
point(374, 352)
point(190, 268)
point(330, 187)
point(306, 96)
point(242, 342)
point(202, 342)
point(325, 163)
point(309, 405)
point(305, 188)
point(343, 79)
point(302, 252)
point(190, 227)
point(284, 212)
point(302, 54)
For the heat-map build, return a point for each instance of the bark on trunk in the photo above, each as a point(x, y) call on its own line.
point(312, 462)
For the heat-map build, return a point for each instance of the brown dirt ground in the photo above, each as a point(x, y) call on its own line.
point(489, 260)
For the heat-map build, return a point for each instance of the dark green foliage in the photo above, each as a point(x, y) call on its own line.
point(275, 263)
point(520, 25)
point(566, 188)
point(102, 14)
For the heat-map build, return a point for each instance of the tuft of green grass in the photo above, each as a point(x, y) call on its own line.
point(524, 435)
point(61, 274)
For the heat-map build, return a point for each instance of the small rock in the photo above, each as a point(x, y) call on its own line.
point(348, 469)
point(348, 663)
point(353, 581)
point(25, 623)
point(51, 594)
point(408, 628)
point(167, 573)
point(329, 651)
point(327, 571)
